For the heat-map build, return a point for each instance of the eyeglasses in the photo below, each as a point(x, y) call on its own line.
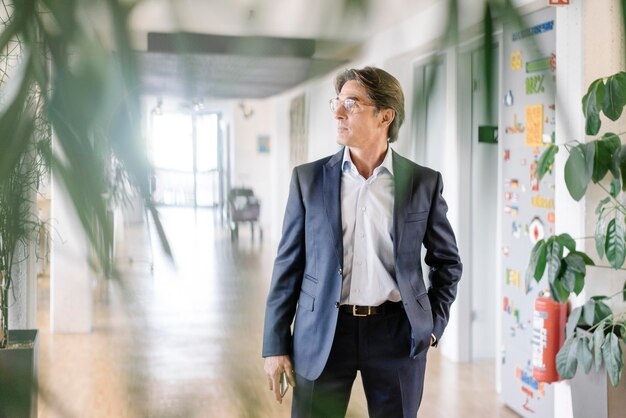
point(350, 104)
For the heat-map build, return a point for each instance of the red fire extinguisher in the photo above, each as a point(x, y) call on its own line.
point(549, 319)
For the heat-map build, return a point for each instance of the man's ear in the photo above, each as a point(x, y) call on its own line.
point(388, 116)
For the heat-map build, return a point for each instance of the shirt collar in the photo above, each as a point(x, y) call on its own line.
point(387, 163)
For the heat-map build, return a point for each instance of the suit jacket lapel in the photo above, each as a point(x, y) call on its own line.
point(403, 185)
point(332, 200)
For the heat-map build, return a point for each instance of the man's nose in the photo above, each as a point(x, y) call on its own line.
point(340, 112)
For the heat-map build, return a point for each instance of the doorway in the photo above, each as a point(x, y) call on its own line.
point(479, 168)
point(187, 150)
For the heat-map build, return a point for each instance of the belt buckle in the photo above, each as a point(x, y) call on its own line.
point(354, 311)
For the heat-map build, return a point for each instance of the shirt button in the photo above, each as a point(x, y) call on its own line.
point(363, 209)
point(356, 290)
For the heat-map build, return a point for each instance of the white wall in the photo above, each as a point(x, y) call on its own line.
point(590, 45)
point(603, 46)
point(251, 168)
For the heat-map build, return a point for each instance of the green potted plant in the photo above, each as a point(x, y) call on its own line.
point(67, 79)
point(18, 348)
point(593, 330)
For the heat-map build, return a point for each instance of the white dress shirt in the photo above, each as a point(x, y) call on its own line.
point(367, 225)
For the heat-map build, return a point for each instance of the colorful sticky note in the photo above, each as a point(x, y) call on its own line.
point(534, 125)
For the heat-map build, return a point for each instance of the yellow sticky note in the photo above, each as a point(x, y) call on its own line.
point(516, 60)
point(534, 125)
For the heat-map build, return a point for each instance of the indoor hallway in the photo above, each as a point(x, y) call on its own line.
point(185, 341)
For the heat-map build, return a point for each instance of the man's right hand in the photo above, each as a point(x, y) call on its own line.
point(274, 368)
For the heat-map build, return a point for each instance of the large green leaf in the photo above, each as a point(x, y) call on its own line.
point(613, 102)
point(602, 311)
point(618, 169)
point(592, 100)
point(566, 241)
point(616, 186)
point(573, 320)
point(558, 291)
point(603, 157)
point(536, 264)
point(595, 311)
point(589, 152)
point(619, 163)
point(546, 160)
point(601, 205)
point(612, 356)
point(566, 361)
point(592, 103)
point(615, 248)
point(615, 162)
point(583, 353)
point(598, 340)
point(553, 258)
point(577, 174)
point(600, 236)
point(592, 123)
point(580, 283)
point(588, 261)
point(573, 270)
point(576, 262)
point(589, 312)
point(567, 278)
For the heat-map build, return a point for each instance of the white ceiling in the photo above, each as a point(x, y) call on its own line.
point(348, 20)
point(337, 28)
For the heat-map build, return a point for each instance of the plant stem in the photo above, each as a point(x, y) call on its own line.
point(616, 294)
point(606, 267)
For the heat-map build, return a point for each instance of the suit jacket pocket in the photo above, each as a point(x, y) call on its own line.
point(424, 302)
point(308, 291)
point(417, 216)
point(306, 301)
point(309, 285)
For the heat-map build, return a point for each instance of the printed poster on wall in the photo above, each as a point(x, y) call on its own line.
point(528, 111)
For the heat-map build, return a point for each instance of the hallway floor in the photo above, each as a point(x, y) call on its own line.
point(185, 340)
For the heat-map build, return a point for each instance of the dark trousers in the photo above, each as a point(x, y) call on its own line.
point(377, 346)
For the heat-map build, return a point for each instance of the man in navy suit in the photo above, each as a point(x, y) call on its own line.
point(348, 265)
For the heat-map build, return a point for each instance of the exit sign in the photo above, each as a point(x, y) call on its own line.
point(558, 2)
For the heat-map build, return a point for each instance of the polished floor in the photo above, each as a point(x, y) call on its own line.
point(183, 339)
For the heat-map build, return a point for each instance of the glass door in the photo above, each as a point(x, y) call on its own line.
point(185, 149)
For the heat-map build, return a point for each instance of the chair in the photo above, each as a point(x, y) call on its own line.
point(243, 206)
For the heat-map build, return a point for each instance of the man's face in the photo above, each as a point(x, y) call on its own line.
point(363, 126)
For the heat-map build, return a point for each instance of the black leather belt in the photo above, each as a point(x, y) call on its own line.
point(385, 308)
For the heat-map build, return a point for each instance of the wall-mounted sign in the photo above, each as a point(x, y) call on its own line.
point(535, 30)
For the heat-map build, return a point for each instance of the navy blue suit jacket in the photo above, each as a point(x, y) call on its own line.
point(307, 276)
